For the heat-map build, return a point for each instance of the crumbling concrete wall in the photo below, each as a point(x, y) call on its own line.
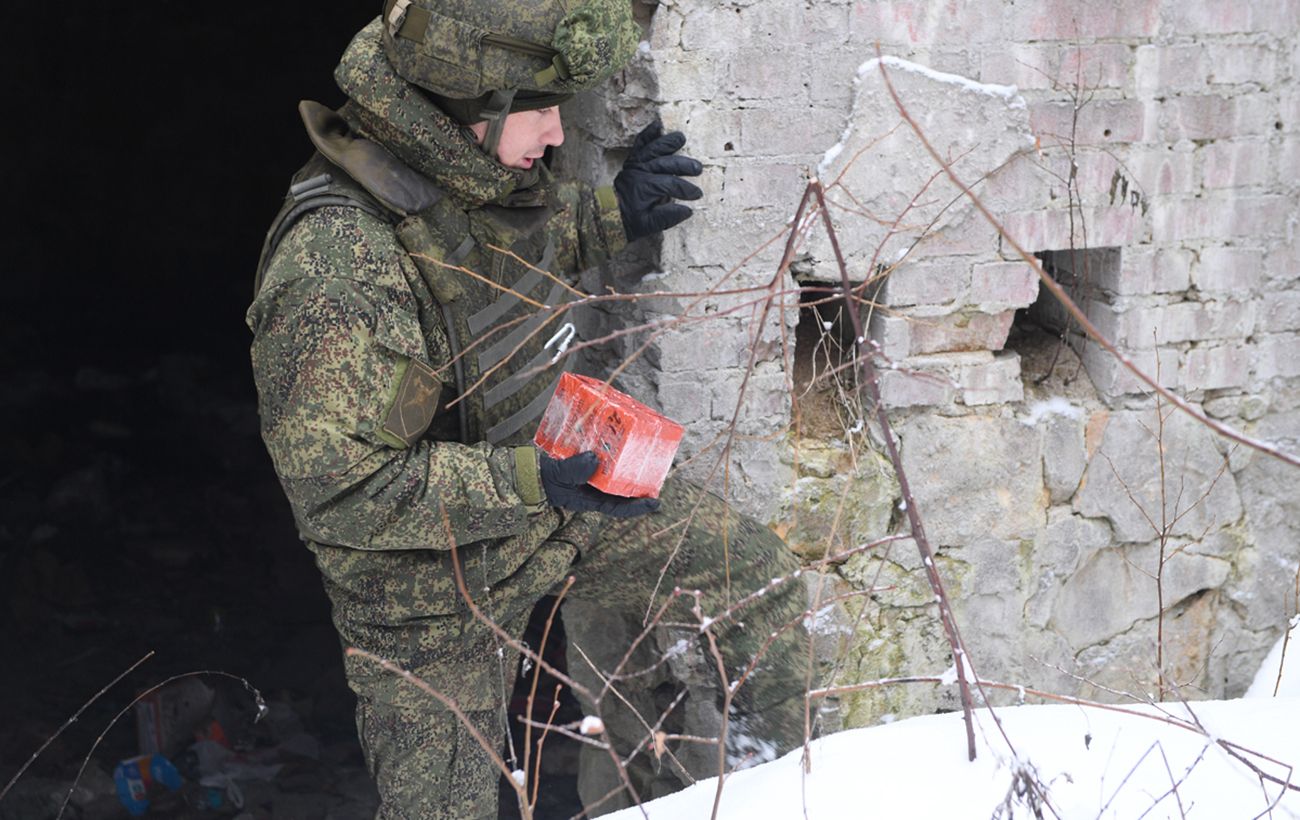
point(1148, 151)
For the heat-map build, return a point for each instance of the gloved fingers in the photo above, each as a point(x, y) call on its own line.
point(666, 185)
point(616, 506)
point(663, 217)
point(675, 165)
point(569, 472)
point(662, 146)
point(634, 507)
point(648, 135)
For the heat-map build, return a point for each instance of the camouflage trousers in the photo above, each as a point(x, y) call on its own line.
point(428, 765)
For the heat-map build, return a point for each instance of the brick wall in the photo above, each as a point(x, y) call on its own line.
point(1166, 133)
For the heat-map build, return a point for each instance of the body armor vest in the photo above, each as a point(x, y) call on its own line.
point(503, 318)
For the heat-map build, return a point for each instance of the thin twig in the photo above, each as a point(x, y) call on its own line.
point(488, 747)
point(71, 720)
point(1066, 302)
point(871, 383)
point(257, 698)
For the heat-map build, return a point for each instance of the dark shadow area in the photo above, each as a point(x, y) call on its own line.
point(148, 148)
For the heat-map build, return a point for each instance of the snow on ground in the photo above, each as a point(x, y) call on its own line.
point(1267, 681)
point(1093, 763)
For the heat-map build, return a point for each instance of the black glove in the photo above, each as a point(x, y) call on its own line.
point(651, 176)
point(565, 483)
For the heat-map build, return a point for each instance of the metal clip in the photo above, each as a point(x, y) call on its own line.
point(396, 16)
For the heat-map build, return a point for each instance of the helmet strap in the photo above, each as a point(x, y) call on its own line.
point(495, 112)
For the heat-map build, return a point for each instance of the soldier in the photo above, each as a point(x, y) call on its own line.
point(399, 358)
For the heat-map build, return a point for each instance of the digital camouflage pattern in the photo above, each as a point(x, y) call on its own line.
point(464, 48)
point(344, 313)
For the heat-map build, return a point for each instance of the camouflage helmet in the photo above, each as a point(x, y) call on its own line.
point(463, 49)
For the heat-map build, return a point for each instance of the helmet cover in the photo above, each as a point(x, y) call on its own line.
point(464, 49)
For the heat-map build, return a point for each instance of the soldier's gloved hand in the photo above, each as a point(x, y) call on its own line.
point(565, 483)
point(651, 177)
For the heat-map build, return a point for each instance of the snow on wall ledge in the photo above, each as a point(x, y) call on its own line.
point(1165, 132)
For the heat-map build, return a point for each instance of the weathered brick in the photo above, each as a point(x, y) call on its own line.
point(1112, 379)
point(1289, 158)
point(1099, 123)
point(1288, 113)
point(684, 398)
point(1280, 16)
point(1179, 220)
point(1028, 66)
point(1240, 63)
point(826, 24)
point(830, 81)
point(1058, 229)
point(1041, 230)
point(1209, 18)
point(1023, 183)
point(954, 60)
point(1228, 270)
point(1147, 270)
point(751, 184)
point(994, 382)
point(1114, 227)
point(1280, 312)
point(1215, 368)
point(711, 128)
point(1192, 321)
point(1090, 67)
point(893, 334)
point(918, 22)
point(772, 26)
point(901, 388)
point(1095, 176)
point(758, 74)
point(707, 25)
point(940, 378)
point(1141, 327)
point(1276, 356)
point(1236, 164)
point(786, 130)
point(695, 77)
point(1166, 68)
point(766, 398)
point(902, 336)
point(972, 235)
point(1067, 20)
point(1003, 284)
point(1215, 116)
point(666, 29)
point(1282, 264)
point(717, 344)
point(1164, 169)
point(927, 282)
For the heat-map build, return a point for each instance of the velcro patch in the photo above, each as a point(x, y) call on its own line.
point(415, 404)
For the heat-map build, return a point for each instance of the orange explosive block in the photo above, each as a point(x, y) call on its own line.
point(635, 444)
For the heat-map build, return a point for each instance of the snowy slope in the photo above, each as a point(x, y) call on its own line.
point(1094, 763)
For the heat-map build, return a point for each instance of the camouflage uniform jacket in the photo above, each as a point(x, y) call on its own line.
point(352, 349)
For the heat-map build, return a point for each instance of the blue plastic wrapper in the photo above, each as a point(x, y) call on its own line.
point(134, 777)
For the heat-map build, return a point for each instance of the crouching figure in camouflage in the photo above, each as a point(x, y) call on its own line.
point(401, 374)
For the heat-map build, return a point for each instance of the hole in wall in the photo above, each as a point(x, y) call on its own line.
point(1048, 339)
point(825, 379)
